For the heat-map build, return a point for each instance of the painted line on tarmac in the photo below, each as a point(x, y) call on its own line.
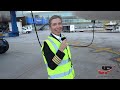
point(97, 49)
point(101, 49)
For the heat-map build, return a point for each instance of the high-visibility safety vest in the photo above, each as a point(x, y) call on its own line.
point(65, 69)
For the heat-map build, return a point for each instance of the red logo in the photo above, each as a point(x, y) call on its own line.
point(105, 70)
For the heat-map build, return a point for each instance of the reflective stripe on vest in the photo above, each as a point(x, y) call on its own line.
point(61, 74)
point(55, 46)
point(52, 74)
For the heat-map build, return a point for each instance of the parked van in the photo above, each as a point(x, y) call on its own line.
point(27, 29)
point(68, 28)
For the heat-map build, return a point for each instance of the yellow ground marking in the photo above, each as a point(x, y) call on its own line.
point(118, 59)
point(97, 49)
point(93, 46)
point(102, 49)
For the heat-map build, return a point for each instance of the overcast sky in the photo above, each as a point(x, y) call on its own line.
point(43, 13)
point(95, 15)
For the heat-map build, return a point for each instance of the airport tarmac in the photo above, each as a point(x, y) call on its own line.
point(24, 60)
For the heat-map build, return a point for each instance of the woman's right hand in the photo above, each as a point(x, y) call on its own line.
point(63, 45)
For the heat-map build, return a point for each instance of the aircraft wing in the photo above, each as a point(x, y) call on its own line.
point(98, 15)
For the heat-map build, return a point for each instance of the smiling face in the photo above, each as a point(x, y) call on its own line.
point(56, 26)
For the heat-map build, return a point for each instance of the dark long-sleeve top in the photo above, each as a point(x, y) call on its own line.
point(50, 56)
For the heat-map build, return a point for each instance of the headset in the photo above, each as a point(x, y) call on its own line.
point(93, 21)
